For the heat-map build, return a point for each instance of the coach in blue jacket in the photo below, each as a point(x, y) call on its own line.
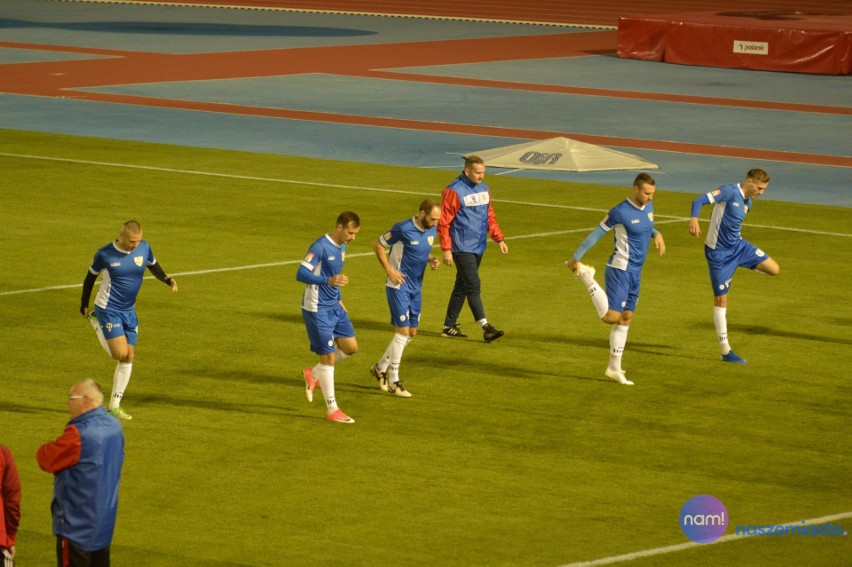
point(86, 460)
point(467, 219)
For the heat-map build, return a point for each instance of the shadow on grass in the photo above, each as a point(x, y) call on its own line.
point(247, 408)
point(20, 408)
point(787, 334)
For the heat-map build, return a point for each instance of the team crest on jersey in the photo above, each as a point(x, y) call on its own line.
point(651, 217)
point(342, 257)
point(430, 240)
point(745, 208)
point(138, 260)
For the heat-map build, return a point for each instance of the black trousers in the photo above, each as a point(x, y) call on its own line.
point(68, 555)
point(468, 286)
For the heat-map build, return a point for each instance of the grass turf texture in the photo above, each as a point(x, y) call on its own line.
point(513, 453)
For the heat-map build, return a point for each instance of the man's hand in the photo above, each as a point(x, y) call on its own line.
point(448, 257)
point(660, 243)
point(339, 280)
point(694, 228)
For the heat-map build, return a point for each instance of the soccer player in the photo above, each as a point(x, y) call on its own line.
point(410, 242)
point(726, 250)
point(467, 218)
point(632, 223)
point(122, 263)
point(330, 331)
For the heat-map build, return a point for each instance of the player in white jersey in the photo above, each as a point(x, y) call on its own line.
point(632, 224)
point(330, 331)
point(410, 243)
point(122, 263)
point(726, 250)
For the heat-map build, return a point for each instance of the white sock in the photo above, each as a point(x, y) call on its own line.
point(384, 361)
point(617, 340)
point(396, 347)
point(482, 322)
point(339, 355)
point(597, 294)
point(325, 375)
point(120, 379)
point(720, 320)
point(100, 334)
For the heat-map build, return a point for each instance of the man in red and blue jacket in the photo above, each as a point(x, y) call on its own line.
point(10, 505)
point(86, 461)
point(467, 218)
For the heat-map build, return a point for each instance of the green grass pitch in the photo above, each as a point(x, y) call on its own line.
point(512, 453)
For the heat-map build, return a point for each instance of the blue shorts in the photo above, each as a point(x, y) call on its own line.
point(326, 325)
point(405, 306)
point(723, 263)
point(115, 323)
point(622, 289)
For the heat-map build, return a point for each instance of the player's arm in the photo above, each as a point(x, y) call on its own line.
point(88, 284)
point(11, 492)
point(585, 246)
point(697, 203)
point(161, 275)
point(55, 456)
point(396, 277)
point(449, 207)
point(659, 242)
point(494, 230)
point(306, 275)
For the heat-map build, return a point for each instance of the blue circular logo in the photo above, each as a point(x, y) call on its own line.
point(703, 518)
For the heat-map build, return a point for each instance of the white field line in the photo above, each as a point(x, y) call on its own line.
point(671, 218)
point(691, 544)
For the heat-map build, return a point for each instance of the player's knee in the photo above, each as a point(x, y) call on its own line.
point(611, 317)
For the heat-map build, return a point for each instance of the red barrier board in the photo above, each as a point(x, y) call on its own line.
point(770, 41)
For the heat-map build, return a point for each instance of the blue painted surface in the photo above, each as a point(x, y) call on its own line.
point(189, 30)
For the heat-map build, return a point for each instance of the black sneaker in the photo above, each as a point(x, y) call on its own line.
point(453, 331)
point(489, 333)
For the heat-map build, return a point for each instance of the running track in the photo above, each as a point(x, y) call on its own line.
point(146, 79)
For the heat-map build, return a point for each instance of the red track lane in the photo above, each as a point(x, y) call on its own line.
point(62, 78)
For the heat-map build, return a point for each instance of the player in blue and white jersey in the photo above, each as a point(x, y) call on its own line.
point(632, 225)
point(410, 243)
point(726, 250)
point(122, 263)
point(330, 331)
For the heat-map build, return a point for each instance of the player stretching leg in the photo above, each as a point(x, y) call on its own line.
point(632, 223)
point(726, 250)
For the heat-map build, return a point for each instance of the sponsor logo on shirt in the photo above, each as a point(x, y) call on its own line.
point(735, 204)
point(332, 258)
point(138, 260)
point(635, 221)
point(477, 199)
point(415, 242)
point(115, 264)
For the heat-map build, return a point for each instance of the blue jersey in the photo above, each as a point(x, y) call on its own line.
point(122, 274)
point(410, 247)
point(324, 259)
point(730, 208)
point(632, 228)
